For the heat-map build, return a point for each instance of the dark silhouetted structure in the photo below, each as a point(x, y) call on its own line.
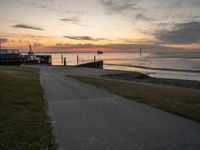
point(10, 57)
point(65, 62)
point(97, 64)
point(32, 58)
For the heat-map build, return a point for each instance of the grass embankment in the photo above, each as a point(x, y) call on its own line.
point(185, 103)
point(162, 81)
point(24, 124)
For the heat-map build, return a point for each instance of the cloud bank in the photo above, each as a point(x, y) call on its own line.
point(183, 33)
point(87, 38)
point(24, 26)
point(109, 47)
point(3, 40)
point(74, 20)
point(118, 6)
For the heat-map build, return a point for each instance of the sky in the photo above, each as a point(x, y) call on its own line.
point(107, 25)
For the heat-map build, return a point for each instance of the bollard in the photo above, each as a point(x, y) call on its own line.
point(77, 59)
point(94, 58)
point(65, 61)
point(61, 59)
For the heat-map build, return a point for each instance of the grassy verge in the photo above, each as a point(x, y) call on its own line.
point(185, 103)
point(163, 81)
point(24, 124)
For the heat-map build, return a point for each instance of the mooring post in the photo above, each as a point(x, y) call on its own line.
point(61, 59)
point(65, 61)
point(140, 52)
point(77, 59)
point(94, 58)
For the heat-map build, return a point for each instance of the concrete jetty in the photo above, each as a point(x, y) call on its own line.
point(96, 64)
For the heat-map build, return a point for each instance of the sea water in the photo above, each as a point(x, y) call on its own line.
point(177, 65)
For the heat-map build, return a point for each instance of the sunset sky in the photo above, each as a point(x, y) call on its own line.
point(109, 25)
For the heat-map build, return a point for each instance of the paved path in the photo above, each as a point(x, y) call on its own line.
point(87, 118)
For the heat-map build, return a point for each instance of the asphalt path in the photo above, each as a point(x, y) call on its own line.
point(86, 118)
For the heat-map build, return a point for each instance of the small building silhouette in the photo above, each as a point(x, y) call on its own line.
point(10, 57)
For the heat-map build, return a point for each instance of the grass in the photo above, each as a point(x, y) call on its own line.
point(24, 123)
point(163, 81)
point(185, 103)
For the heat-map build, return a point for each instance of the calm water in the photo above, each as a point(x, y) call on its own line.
point(187, 62)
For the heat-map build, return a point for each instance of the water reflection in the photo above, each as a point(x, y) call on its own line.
point(127, 61)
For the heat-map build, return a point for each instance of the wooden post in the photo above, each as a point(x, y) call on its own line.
point(94, 58)
point(61, 59)
point(65, 61)
point(77, 59)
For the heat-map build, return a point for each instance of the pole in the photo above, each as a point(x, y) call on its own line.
point(61, 59)
point(0, 45)
point(140, 52)
point(30, 48)
point(65, 61)
point(94, 58)
point(77, 59)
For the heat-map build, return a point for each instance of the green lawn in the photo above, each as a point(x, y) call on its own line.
point(163, 81)
point(185, 103)
point(24, 124)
